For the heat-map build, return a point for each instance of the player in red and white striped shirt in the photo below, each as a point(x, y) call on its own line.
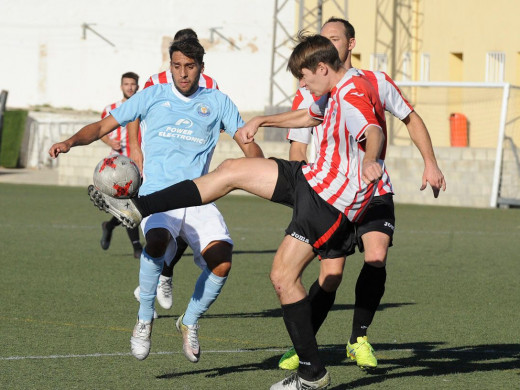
point(375, 230)
point(118, 141)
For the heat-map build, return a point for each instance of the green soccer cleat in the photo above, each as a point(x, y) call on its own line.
point(362, 352)
point(289, 360)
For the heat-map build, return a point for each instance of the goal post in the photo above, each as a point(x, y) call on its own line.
point(492, 111)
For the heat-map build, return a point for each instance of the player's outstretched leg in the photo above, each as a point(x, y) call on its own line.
point(123, 209)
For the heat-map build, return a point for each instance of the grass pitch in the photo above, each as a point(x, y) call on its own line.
point(449, 318)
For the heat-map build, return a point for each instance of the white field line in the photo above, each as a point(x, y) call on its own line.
point(277, 350)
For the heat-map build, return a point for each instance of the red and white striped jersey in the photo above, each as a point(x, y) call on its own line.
point(391, 98)
point(389, 95)
point(167, 78)
point(352, 106)
point(119, 134)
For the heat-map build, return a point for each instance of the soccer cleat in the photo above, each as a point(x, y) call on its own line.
point(190, 340)
point(362, 352)
point(289, 360)
point(141, 339)
point(123, 209)
point(136, 295)
point(294, 382)
point(106, 236)
point(164, 292)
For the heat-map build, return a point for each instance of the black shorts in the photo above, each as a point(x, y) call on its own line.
point(379, 217)
point(314, 221)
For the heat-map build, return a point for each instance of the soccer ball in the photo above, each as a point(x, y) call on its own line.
point(117, 176)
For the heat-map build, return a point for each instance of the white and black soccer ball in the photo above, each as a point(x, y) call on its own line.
point(117, 176)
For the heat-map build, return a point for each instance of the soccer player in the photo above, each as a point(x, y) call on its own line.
point(327, 197)
point(165, 286)
point(180, 126)
point(119, 144)
point(375, 231)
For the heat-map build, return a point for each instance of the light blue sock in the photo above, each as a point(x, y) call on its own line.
point(207, 289)
point(149, 272)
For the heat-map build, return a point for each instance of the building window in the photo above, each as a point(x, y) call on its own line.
point(378, 61)
point(425, 67)
point(495, 65)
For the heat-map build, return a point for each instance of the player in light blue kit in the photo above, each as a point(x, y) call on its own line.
point(180, 126)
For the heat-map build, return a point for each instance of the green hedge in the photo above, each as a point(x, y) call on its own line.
point(12, 136)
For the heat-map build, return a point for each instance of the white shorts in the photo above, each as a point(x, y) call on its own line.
point(198, 226)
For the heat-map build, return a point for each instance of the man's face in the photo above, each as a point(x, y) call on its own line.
point(129, 87)
point(186, 73)
point(335, 32)
point(315, 82)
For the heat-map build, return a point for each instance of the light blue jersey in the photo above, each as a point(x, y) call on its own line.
point(178, 133)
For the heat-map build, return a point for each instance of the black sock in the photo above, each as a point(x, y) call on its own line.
point(297, 318)
point(133, 235)
point(370, 288)
point(177, 196)
point(111, 225)
point(181, 248)
point(321, 303)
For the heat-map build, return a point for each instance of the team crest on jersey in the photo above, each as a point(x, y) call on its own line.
point(203, 110)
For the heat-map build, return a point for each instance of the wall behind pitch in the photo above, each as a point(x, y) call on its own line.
point(45, 59)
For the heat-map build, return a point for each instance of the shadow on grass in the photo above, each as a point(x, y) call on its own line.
point(426, 360)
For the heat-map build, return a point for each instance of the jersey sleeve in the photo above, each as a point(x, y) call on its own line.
point(394, 101)
point(133, 108)
point(317, 108)
point(358, 112)
point(231, 120)
point(148, 83)
point(105, 112)
point(303, 134)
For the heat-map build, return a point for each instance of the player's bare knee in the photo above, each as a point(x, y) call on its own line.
point(376, 261)
point(330, 282)
point(157, 241)
point(217, 255)
point(230, 170)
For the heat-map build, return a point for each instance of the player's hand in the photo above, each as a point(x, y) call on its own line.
point(136, 154)
point(60, 147)
point(371, 172)
point(116, 145)
point(247, 133)
point(434, 176)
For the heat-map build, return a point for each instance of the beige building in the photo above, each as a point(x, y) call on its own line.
point(454, 41)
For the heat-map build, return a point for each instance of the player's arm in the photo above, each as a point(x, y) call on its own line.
point(374, 141)
point(251, 149)
point(85, 136)
point(298, 118)
point(421, 138)
point(298, 151)
point(136, 153)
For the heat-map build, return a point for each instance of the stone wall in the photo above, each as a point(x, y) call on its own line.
point(468, 171)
